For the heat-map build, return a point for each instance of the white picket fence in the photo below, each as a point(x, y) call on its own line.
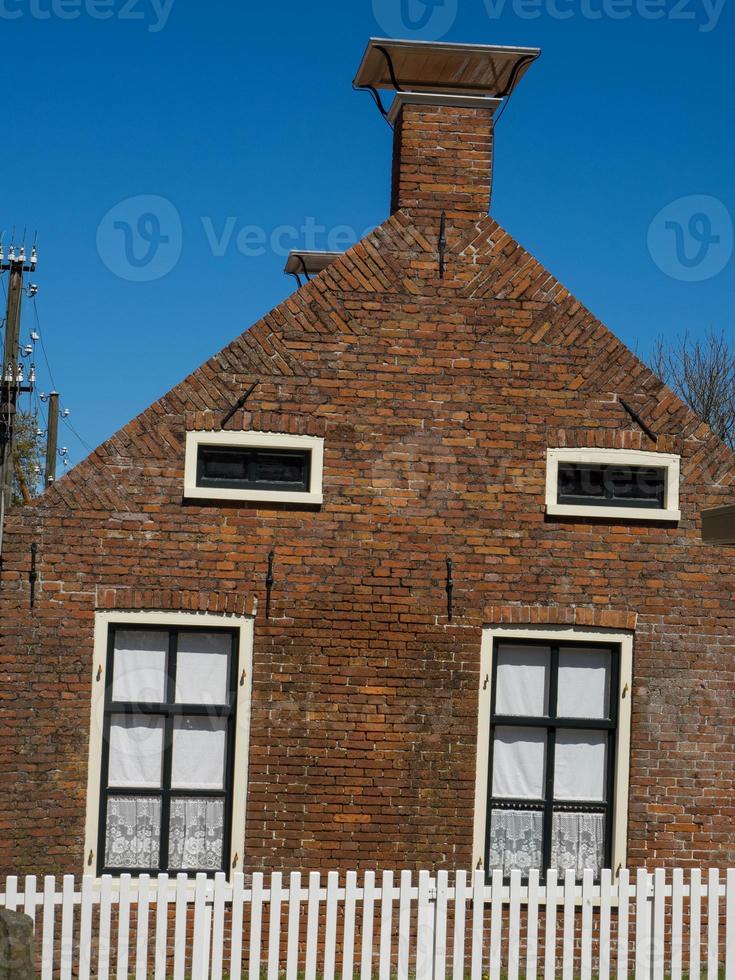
point(653, 925)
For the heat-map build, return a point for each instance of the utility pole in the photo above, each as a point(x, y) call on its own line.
point(11, 380)
point(52, 437)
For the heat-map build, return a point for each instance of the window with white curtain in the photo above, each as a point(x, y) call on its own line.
point(552, 756)
point(167, 756)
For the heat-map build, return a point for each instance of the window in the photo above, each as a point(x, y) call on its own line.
point(253, 469)
point(166, 708)
point(612, 483)
point(254, 466)
point(552, 777)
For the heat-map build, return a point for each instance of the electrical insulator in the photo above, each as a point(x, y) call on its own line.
point(35, 336)
point(32, 375)
point(27, 350)
point(66, 413)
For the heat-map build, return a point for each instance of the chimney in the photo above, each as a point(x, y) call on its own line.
point(443, 117)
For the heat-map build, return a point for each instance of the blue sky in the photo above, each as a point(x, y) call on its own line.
point(613, 166)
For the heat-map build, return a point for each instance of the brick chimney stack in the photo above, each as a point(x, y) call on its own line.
point(442, 159)
point(443, 117)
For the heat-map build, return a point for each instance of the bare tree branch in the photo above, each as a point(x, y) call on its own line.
point(702, 373)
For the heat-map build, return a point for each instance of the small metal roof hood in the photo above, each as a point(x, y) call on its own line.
point(302, 263)
point(443, 69)
point(718, 525)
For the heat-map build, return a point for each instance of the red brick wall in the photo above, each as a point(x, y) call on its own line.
point(442, 160)
point(437, 400)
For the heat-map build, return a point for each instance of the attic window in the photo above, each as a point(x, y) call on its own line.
point(253, 466)
point(612, 483)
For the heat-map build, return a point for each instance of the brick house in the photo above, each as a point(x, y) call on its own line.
point(435, 595)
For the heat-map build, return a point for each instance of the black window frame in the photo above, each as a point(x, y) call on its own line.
point(169, 711)
point(251, 454)
point(609, 499)
point(548, 806)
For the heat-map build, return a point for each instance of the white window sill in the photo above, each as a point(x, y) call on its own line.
point(253, 496)
point(617, 513)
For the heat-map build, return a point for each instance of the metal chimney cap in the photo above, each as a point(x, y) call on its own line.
point(301, 263)
point(441, 68)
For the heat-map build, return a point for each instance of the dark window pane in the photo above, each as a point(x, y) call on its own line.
point(255, 469)
point(281, 468)
point(610, 486)
point(217, 464)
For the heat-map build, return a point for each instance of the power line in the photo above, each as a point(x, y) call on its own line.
point(43, 346)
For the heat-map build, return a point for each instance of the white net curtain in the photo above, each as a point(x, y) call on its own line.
point(521, 767)
point(138, 741)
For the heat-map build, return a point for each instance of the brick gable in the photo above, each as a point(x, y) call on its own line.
point(437, 400)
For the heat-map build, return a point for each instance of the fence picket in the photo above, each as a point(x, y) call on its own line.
point(29, 897)
point(404, 925)
point(460, 913)
point(623, 923)
point(141, 928)
point(49, 915)
point(532, 925)
point(730, 924)
point(199, 965)
point(368, 908)
point(695, 921)
point(424, 930)
point(348, 938)
point(713, 924)
point(642, 926)
point(180, 924)
point(123, 927)
point(256, 925)
point(11, 893)
point(330, 925)
point(161, 927)
point(85, 929)
point(236, 914)
point(312, 925)
point(586, 944)
point(103, 961)
point(496, 925)
point(294, 920)
point(605, 923)
point(570, 884)
point(677, 922)
point(440, 933)
point(478, 923)
point(658, 938)
point(218, 926)
point(550, 924)
point(274, 925)
point(386, 926)
point(67, 927)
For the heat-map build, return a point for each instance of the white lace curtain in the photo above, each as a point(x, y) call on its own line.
point(577, 841)
point(133, 832)
point(515, 840)
point(196, 834)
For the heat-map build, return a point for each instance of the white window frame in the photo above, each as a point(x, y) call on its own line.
point(102, 623)
point(620, 638)
point(614, 457)
point(257, 440)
